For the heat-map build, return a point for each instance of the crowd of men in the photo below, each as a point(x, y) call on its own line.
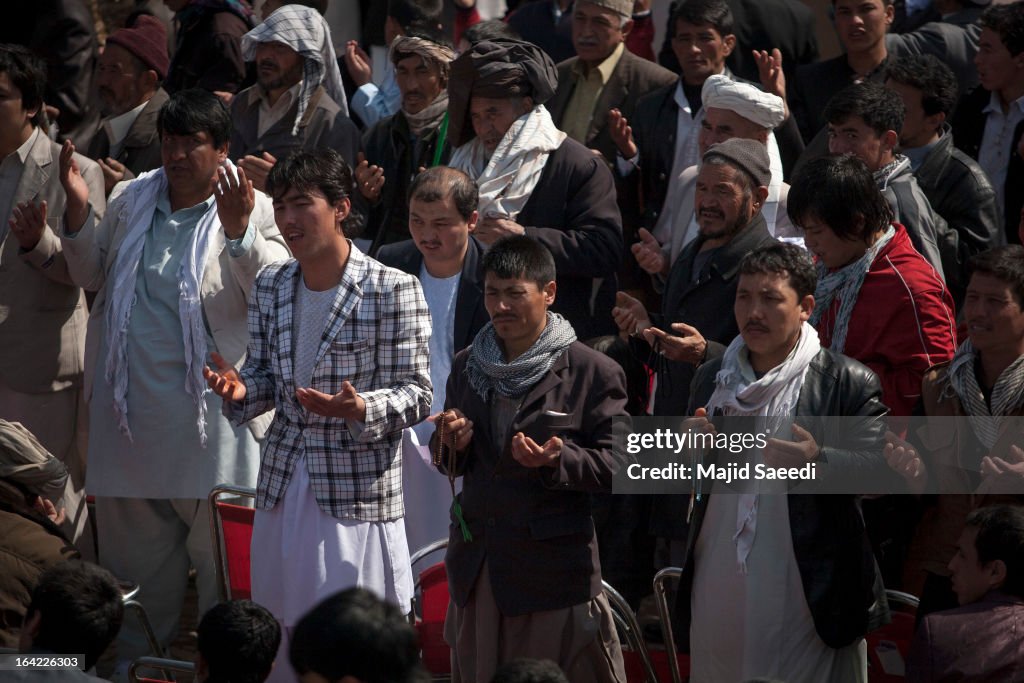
point(423, 307)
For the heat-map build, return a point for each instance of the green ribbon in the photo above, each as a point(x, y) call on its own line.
point(442, 138)
point(457, 511)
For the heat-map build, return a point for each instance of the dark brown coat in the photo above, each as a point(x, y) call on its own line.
point(533, 526)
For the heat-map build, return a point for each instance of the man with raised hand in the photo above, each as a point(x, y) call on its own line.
point(172, 264)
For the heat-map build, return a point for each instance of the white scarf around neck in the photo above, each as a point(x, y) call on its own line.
point(509, 176)
point(774, 395)
point(137, 211)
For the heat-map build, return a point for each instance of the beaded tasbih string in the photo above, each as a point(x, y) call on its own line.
point(450, 467)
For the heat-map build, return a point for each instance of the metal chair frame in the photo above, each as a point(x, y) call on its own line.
point(622, 613)
point(161, 664)
point(217, 534)
point(665, 619)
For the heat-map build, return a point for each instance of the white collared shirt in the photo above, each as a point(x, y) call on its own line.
point(271, 114)
point(687, 149)
point(997, 144)
point(117, 127)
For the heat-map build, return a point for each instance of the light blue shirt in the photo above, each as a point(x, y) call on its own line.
point(165, 459)
point(373, 104)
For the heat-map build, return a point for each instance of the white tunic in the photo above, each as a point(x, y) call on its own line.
point(300, 554)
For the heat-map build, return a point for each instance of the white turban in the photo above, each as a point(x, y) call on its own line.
point(753, 104)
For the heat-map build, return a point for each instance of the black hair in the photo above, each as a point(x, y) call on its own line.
point(782, 258)
point(492, 29)
point(424, 14)
point(525, 670)
point(885, 3)
point(841, 192)
point(1008, 21)
point(881, 109)
point(714, 13)
point(320, 170)
point(935, 80)
point(1004, 263)
point(437, 183)
point(355, 633)
point(238, 640)
point(519, 256)
point(27, 73)
point(1001, 537)
point(319, 5)
point(195, 111)
point(81, 610)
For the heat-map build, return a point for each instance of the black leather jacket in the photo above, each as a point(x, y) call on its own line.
point(840, 578)
point(961, 193)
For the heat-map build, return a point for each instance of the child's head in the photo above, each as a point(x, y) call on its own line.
point(238, 641)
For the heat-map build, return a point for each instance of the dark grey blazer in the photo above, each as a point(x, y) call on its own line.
point(470, 314)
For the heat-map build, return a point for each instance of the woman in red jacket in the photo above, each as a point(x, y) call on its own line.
point(878, 300)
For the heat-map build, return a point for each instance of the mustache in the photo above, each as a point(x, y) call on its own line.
point(755, 326)
point(267, 63)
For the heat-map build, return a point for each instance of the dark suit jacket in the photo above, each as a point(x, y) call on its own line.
point(389, 145)
point(707, 305)
point(814, 85)
point(140, 151)
point(533, 525)
point(979, 642)
point(633, 78)
point(761, 25)
point(837, 567)
point(470, 314)
point(536, 23)
point(572, 211)
point(209, 53)
point(968, 130)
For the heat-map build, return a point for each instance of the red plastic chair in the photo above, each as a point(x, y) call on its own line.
point(889, 645)
point(430, 606)
point(231, 531)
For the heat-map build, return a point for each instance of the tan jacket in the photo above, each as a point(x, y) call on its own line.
point(42, 312)
point(227, 280)
point(951, 456)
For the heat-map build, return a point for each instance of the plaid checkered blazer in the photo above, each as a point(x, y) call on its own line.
point(376, 338)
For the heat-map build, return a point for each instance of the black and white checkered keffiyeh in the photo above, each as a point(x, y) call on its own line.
point(1007, 393)
point(302, 29)
point(487, 369)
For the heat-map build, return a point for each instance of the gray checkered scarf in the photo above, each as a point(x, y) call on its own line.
point(302, 29)
point(1007, 394)
point(487, 369)
point(844, 283)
